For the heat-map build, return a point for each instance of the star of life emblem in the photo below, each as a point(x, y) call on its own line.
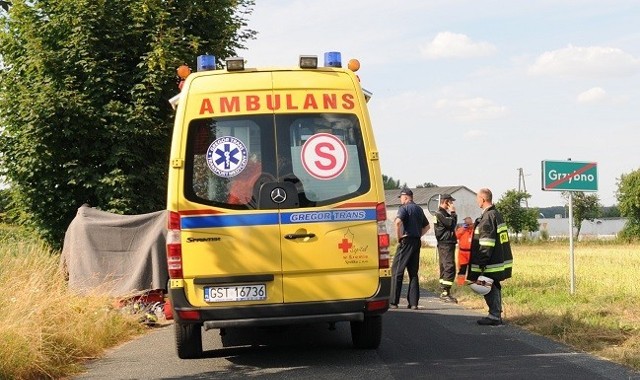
point(227, 156)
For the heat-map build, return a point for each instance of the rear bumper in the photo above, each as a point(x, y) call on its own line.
point(281, 314)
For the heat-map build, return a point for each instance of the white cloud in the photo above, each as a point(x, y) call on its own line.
point(592, 95)
point(471, 109)
point(455, 45)
point(474, 134)
point(586, 61)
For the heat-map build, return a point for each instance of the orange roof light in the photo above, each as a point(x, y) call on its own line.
point(183, 71)
point(353, 65)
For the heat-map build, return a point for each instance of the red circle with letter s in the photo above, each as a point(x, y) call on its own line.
point(324, 156)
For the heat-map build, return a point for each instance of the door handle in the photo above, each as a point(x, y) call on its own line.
point(299, 236)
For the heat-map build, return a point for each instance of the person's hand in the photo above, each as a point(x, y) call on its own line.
point(452, 208)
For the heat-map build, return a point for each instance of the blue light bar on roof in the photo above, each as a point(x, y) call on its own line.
point(332, 59)
point(206, 62)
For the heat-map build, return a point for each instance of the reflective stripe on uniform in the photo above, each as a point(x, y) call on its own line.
point(502, 227)
point(487, 242)
point(492, 268)
point(445, 282)
point(476, 268)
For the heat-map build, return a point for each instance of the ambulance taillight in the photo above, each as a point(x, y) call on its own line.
point(383, 237)
point(174, 246)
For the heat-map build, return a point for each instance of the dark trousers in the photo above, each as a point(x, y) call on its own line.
point(407, 257)
point(494, 300)
point(447, 259)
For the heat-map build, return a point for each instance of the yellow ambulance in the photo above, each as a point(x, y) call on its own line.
point(276, 204)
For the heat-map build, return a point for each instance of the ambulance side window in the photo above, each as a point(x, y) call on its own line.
point(327, 156)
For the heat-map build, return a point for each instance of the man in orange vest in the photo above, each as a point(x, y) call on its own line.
point(464, 234)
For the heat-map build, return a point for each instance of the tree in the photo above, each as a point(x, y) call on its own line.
point(518, 218)
point(84, 99)
point(611, 212)
point(585, 207)
point(390, 183)
point(426, 185)
point(5, 198)
point(628, 196)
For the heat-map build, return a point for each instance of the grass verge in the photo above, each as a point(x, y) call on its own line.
point(46, 331)
point(602, 317)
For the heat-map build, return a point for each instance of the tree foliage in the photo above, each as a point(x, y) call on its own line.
point(518, 218)
point(628, 196)
point(585, 207)
point(389, 183)
point(84, 99)
point(427, 185)
point(5, 198)
point(610, 211)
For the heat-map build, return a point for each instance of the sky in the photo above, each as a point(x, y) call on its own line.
point(470, 92)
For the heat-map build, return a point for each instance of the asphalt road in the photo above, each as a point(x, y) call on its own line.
point(441, 341)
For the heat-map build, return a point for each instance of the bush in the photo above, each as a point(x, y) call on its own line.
point(544, 235)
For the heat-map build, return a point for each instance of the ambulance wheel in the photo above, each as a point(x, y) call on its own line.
point(367, 333)
point(188, 340)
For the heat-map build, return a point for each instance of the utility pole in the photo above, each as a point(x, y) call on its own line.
point(522, 186)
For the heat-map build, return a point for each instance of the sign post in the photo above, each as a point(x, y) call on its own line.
point(570, 176)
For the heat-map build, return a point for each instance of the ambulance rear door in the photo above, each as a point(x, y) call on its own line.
point(329, 231)
point(230, 247)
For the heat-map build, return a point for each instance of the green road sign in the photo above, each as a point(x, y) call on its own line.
point(569, 176)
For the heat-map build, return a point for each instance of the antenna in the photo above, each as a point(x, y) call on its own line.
point(522, 186)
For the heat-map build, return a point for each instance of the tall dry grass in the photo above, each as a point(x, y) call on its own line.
point(601, 317)
point(46, 331)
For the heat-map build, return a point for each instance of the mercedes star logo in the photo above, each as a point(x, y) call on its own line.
point(278, 195)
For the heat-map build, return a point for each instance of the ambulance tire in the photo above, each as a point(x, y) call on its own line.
point(368, 333)
point(188, 340)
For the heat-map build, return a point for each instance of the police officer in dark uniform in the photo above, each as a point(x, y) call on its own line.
point(445, 230)
point(411, 224)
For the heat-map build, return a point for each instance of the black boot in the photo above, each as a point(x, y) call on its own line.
point(446, 296)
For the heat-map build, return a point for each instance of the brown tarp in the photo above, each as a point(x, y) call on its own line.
point(117, 255)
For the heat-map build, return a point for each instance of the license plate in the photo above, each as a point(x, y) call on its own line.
point(253, 292)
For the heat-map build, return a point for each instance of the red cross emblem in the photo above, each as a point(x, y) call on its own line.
point(345, 245)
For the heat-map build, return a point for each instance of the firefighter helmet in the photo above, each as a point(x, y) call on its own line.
point(482, 285)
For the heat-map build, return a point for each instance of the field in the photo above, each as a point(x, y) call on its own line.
point(601, 317)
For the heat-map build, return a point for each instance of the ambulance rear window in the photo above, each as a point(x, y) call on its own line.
point(327, 155)
point(229, 158)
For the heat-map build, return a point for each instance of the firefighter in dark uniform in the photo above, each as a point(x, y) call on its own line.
point(445, 230)
point(411, 224)
point(490, 255)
